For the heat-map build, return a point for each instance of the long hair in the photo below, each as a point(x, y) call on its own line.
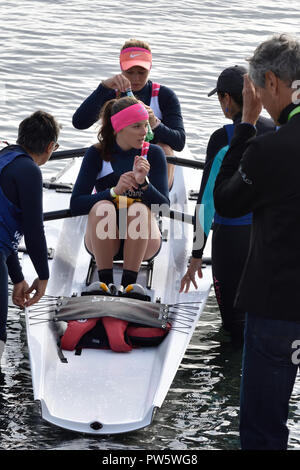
point(106, 135)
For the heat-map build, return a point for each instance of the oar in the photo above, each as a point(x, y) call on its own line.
point(60, 155)
point(186, 162)
point(66, 213)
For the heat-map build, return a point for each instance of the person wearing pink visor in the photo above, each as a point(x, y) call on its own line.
point(122, 178)
point(161, 102)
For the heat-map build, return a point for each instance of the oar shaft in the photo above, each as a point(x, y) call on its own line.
point(55, 215)
point(189, 163)
point(61, 154)
point(66, 213)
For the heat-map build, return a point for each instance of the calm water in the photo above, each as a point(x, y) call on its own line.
point(53, 54)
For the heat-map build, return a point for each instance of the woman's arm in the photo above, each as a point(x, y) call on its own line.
point(171, 130)
point(82, 199)
point(88, 112)
point(28, 179)
point(157, 191)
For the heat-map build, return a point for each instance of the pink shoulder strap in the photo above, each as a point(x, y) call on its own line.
point(155, 89)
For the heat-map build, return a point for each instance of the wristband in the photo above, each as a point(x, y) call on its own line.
point(112, 193)
point(145, 183)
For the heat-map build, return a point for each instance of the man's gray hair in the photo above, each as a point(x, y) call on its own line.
point(281, 55)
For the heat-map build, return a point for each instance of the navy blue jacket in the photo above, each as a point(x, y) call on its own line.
point(21, 183)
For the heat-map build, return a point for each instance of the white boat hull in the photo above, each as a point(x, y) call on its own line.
point(101, 391)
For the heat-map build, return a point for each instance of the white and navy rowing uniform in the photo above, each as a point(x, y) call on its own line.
point(96, 173)
point(162, 100)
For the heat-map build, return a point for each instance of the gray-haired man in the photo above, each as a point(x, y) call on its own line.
point(261, 174)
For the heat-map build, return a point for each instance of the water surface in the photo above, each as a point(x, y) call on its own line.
point(55, 53)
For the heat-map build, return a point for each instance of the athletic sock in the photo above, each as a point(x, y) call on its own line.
point(106, 275)
point(128, 277)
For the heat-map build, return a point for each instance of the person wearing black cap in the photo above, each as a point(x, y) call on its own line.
point(231, 236)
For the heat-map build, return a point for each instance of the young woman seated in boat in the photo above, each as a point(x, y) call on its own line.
point(162, 104)
point(114, 190)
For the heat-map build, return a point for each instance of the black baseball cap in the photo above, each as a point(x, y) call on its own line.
point(231, 81)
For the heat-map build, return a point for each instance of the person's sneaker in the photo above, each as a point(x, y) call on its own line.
point(100, 288)
point(120, 290)
point(135, 291)
point(113, 289)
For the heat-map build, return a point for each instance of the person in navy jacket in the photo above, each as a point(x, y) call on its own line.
point(21, 211)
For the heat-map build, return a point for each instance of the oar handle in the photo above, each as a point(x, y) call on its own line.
point(189, 163)
point(62, 154)
point(66, 213)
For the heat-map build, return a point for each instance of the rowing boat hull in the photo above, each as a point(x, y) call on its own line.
point(101, 391)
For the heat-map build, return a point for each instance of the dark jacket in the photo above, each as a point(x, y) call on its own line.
point(261, 174)
point(21, 191)
point(218, 143)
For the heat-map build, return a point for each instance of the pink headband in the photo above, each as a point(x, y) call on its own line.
point(135, 56)
point(135, 113)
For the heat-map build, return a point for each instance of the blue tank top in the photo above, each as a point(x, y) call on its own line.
point(11, 230)
point(243, 220)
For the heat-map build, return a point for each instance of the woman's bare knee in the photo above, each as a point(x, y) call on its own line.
point(102, 222)
point(152, 248)
point(101, 208)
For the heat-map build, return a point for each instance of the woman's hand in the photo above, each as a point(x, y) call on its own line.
point(117, 82)
point(195, 266)
point(141, 168)
point(152, 117)
point(126, 181)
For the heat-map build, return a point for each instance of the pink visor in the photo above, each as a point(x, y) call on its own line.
point(135, 113)
point(135, 56)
